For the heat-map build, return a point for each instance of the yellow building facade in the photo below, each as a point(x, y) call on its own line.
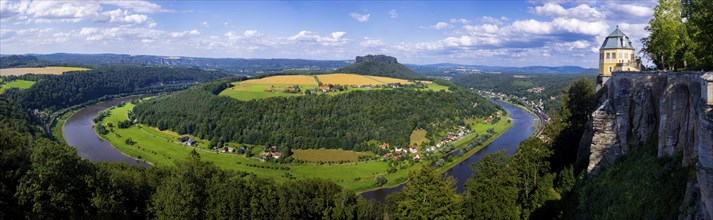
point(616, 54)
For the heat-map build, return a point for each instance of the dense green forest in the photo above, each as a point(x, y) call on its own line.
point(346, 121)
point(519, 84)
point(59, 91)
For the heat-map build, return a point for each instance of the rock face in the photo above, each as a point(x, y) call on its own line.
point(669, 110)
point(376, 59)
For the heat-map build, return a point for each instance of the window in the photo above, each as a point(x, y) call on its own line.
point(613, 56)
point(607, 56)
point(601, 56)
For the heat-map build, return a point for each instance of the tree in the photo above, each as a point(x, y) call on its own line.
point(56, 184)
point(534, 178)
point(666, 41)
point(183, 194)
point(427, 195)
point(14, 162)
point(568, 125)
point(492, 192)
point(380, 180)
point(700, 30)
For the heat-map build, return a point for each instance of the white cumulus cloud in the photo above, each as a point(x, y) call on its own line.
point(360, 17)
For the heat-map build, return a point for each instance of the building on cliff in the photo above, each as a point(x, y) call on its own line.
point(616, 54)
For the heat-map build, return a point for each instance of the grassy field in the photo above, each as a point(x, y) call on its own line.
point(418, 136)
point(285, 80)
point(328, 155)
point(20, 84)
point(40, 70)
point(161, 148)
point(248, 91)
point(354, 79)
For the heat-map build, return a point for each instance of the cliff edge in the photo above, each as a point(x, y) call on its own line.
point(672, 111)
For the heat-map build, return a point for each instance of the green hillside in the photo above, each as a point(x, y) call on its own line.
point(380, 65)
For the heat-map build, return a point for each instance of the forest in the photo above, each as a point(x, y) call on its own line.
point(346, 121)
point(519, 84)
point(55, 92)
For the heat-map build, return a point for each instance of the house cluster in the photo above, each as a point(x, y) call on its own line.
point(536, 90)
point(397, 152)
point(271, 152)
point(452, 136)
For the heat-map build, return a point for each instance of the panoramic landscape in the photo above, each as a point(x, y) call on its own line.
point(356, 110)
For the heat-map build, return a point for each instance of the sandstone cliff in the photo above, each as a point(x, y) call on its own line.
point(669, 110)
point(376, 59)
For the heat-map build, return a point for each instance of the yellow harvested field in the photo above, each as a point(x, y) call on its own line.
point(347, 79)
point(39, 70)
point(285, 80)
point(389, 80)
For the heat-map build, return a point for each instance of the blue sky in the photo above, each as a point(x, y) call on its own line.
point(507, 33)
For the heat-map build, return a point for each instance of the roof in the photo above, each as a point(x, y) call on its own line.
point(617, 40)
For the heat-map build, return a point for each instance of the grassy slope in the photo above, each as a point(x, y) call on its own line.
point(20, 84)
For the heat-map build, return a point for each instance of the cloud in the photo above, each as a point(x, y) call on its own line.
point(360, 17)
point(184, 33)
point(336, 39)
point(460, 20)
point(370, 42)
point(491, 20)
point(532, 26)
point(635, 10)
point(73, 12)
point(582, 11)
point(393, 13)
point(439, 26)
point(205, 24)
point(137, 6)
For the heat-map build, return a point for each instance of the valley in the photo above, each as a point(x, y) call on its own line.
point(160, 148)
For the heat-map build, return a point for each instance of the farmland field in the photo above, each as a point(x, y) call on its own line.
point(347, 79)
point(327, 155)
point(285, 80)
point(39, 70)
point(389, 80)
point(20, 84)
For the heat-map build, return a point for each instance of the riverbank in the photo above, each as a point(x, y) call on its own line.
point(520, 129)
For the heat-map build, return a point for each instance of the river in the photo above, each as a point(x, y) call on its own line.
point(523, 126)
point(79, 133)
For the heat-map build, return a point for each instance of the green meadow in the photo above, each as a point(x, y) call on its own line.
point(20, 84)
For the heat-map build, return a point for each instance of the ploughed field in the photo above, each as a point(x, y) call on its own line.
point(55, 70)
point(285, 86)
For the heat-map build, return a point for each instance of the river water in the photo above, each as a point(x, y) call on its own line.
point(523, 126)
point(79, 133)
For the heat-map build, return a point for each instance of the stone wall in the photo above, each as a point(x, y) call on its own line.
point(669, 110)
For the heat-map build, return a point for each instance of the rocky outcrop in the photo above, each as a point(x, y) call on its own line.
point(668, 110)
point(376, 59)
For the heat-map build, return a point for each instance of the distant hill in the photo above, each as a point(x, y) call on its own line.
point(457, 69)
point(230, 65)
point(21, 61)
point(379, 65)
